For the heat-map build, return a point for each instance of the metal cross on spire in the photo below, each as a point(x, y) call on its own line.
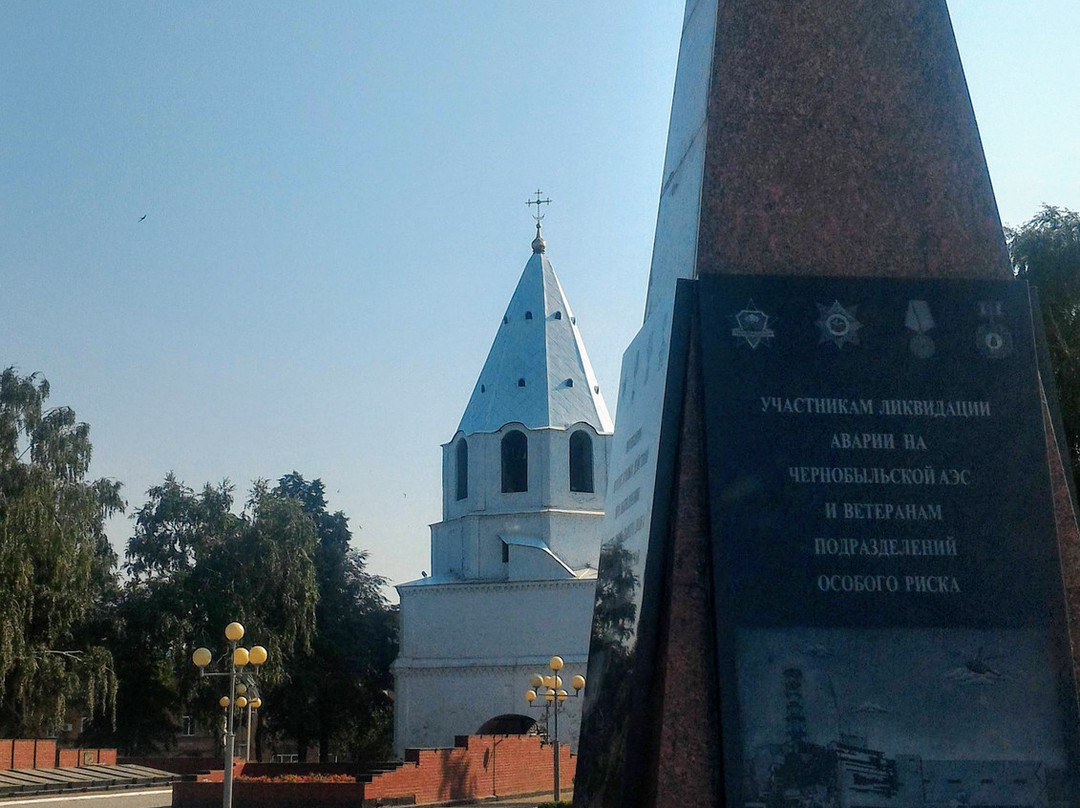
point(538, 244)
point(538, 202)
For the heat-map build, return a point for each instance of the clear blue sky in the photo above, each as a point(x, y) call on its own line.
point(335, 219)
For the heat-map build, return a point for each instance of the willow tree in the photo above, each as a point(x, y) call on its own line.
point(56, 565)
point(337, 693)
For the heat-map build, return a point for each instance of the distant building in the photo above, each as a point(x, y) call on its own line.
point(513, 561)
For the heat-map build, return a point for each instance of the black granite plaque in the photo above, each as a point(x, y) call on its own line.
point(888, 590)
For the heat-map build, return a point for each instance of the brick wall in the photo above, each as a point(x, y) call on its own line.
point(269, 795)
point(68, 758)
point(478, 766)
point(218, 775)
point(43, 754)
point(22, 755)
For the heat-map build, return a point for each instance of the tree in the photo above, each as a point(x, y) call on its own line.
point(195, 566)
point(337, 693)
point(56, 565)
point(1046, 252)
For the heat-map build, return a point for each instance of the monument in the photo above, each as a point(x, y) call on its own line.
point(836, 573)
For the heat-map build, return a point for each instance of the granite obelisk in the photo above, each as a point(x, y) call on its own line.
point(823, 152)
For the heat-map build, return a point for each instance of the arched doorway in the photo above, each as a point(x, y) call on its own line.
point(509, 724)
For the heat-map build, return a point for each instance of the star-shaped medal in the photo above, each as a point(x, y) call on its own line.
point(838, 325)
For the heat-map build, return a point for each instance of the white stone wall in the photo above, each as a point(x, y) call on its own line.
point(467, 651)
point(471, 547)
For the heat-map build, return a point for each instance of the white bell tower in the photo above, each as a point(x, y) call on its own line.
point(513, 561)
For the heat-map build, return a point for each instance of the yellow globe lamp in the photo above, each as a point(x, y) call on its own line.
point(256, 703)
point(558, 681)
point(241, 689)
point(578, 682)
point(550, 695)
point(257, 655)
point(234, 632)
point(530, 696)
point(202, 657)
point(241, 702)
point(240, 657)
point(555, 663)
point(536, 681)
point(561, 694)
point(224, 701)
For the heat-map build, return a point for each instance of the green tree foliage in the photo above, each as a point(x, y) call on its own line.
point(194, 567)
point(1046, 252)
point(336, 693)
point(56, 565)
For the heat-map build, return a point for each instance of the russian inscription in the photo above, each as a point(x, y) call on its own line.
point(879, 498)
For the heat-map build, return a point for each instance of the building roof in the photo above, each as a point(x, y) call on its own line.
point(537, 371)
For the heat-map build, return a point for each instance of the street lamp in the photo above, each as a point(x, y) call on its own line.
point(239, 658)
point(550, 687)
point(247, 695)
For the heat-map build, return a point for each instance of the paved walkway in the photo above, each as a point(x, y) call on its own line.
point(136, 798)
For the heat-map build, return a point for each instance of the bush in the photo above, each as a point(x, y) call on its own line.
point(559, 804)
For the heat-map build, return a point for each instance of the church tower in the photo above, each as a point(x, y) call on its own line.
point(513, 561)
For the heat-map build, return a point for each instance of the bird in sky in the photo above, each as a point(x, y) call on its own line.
point(143, 217)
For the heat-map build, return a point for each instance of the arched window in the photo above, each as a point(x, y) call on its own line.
point(462, 469)
point(581, 465)
point(515, 462)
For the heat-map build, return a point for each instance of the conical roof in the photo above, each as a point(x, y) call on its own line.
point(537, 371)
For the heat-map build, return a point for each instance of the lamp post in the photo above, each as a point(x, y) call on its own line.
point(550, 687)
point(239, 658)
point(247, 696)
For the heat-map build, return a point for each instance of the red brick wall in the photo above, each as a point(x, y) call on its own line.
point(22, 755)
point(479, 766)
point(197, 795)
point(218, 775)
point(67, 758)
point(513, 764)
point(258, 795)
point(44, 754)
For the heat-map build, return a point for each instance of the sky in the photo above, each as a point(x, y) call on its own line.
point(334, 200)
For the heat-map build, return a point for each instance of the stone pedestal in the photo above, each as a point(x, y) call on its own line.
point(818, 138)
